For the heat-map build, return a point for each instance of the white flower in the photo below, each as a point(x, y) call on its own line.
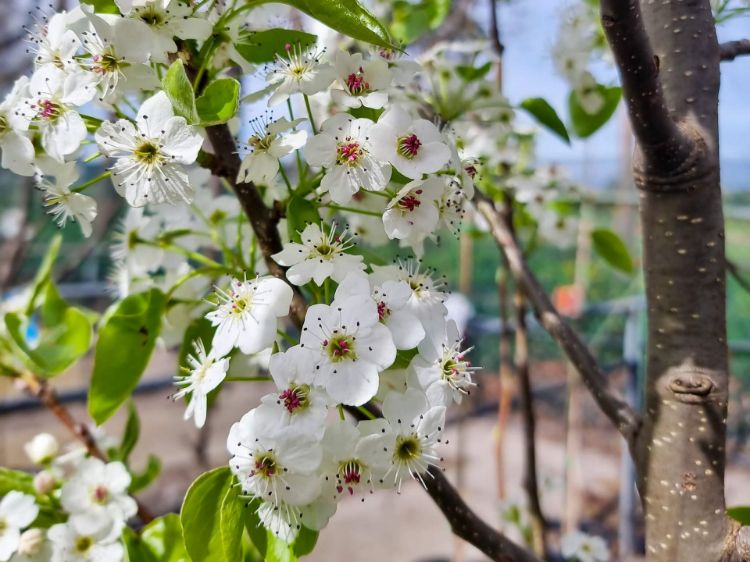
point(97, 495)
point(71, 544)
point(588, 94)
point(403, 70)
point(343, 149)
point(581, 547)
point(391, 298)
point(17, 149)
point(206, 373)
point(42, 448)
point(17, 510)
point(299, 71)
point(66, 204)
point(414, 147)
point(350, 347)
point(413, 214)
point(362, 83)
point(54, 94)
point(441, 368)
point(272, 462)
point(270, 142)
point(319, 256)
point(33, 547)
point(55, 43)
point(247, 314)
point(414, 433)
point(299, 402)
point(129, 250)
point(151, 154)
point(166, 19)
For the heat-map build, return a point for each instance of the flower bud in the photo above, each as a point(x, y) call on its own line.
point(31, 542)
point(42, 448)
point(44, 483)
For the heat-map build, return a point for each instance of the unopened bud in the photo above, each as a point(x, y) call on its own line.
point(44, 483)
point(42, 448)
point(31, 542)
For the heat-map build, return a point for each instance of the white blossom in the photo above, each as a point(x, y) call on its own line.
point(42, 448)
point(205, 372)
point(17, 511)
point(300, 70)
point(65, 204)
point(361, 83)
point(580, 547)
point(71, 544)
point(270, 142)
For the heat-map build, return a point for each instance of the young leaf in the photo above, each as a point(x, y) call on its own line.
point(347, 16)
point(126, 340)
point(299, 213)
point(211, 522)
point(143, 479)
point(180, 92)
point(545, 114)
point(263, 46)
point(412, 20)
point(159, 541)
point(219, 102)
point(103, 6)
point(585, 124)
point(611, 247)
point(131, 433)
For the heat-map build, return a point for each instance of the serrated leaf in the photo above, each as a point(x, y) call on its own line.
point(263, 46)
point(585, 124)
point(123, 350)
point(545, 114)
point(219, 102)
point(611, 247)
point(180, 92)
point(346, 16)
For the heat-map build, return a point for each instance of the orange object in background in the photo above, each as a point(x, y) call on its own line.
point(569, 300)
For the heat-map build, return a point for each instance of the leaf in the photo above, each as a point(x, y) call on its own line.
point(103, 6)
point(545, 114)
point(305, 541)
point(219, 102)
point(64, 332)
point(346, 16)
point(49, 513)
point(299, 213)
point(130, 435)
point(611, 247)
point(123, 350)
point(740, 514)
point(211, 517)
point(43, 273)
point(471, 73)
point(180, 92)
point(411, 20)
point(141, 480)
point(263, 46)
point(586, 124)
point(159, 541)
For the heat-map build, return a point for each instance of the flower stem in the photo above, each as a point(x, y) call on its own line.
point(353, 210)
point(341, 411)
point(367, 412)
point(310, 115)
point(91, 182)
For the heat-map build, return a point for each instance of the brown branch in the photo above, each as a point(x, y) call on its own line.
point(732, 49)
point(642, 89)
point(40, 389)
point(614, 407)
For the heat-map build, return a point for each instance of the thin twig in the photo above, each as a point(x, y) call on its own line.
point(732, 49)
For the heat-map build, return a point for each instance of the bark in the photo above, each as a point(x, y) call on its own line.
point(733, 49)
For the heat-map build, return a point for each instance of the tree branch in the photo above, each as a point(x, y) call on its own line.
point(732, 49)
point(615, 408)
point(40, 389)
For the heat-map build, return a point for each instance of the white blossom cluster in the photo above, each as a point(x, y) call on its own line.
point(92, 502)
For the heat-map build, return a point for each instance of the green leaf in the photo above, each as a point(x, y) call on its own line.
point(305, 542)
point(586, 124)
point(471, 73)
point(299, 213)
point(411, 21)
point(545, 114)
point(271, 547)
point(130, 435)
point(64, 333)
point(180, 92)
point(611, 247)
point(43, 273)
point(211, 517)
point(263, 46)
point(740, 514)
point(103, 6)
point(49, 513)
point(346, 16)
point(141, 480)
point(159, 541)
point(219, 102)
point(123, 350)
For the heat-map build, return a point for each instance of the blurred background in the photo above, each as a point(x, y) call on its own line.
point(585, 480)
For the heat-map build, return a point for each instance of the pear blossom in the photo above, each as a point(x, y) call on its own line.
point(299, 70)
point(320, 255)
point(343, 148)
point(247, 313)
point(580, 547)
point(15, 145)
point(98, 495)
point(151, 154)
point(269, 142)
point(414, 432)
point(413, 214)
point(272, 462)
point(413, 147)
point(53, 96)
point(66, 204)
point(129, 251)
point(206, 371)
point(55, 44)
point(403, 70)
point(361, 83)
point(17, 511)
point(72, 544)
point(350, 347)
point(33, 547)
point(42, 448)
